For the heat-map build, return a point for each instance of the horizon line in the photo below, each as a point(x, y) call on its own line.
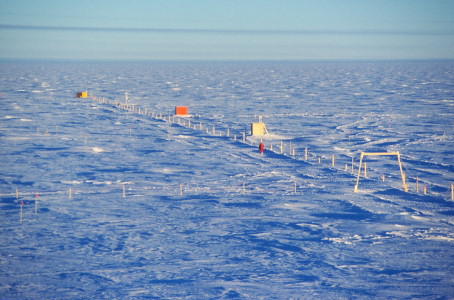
point(226, 60)
point(225, 31)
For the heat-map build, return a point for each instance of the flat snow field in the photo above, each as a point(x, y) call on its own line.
point(117, 200)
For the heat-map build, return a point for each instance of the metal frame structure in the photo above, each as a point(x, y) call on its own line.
point(404, 185)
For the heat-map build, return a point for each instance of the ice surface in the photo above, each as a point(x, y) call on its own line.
point(238, 229)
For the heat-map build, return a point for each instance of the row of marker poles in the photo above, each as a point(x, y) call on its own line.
point(292, 152)
point(181, 194)
point(292, 149)
point(170, 118)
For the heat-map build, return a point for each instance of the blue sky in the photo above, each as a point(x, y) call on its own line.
point(227, 29)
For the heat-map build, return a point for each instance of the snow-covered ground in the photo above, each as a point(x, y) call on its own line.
point(205, 216)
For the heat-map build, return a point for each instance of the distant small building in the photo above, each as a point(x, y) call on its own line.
point(82, 95)
point(181, 110)
point(258, 128)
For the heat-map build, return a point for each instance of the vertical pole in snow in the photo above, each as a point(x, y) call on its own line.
point(234, 137)
point(271, 146)
point(346, 168)
point(383, 177)
point(181, 189)
point(294, 187)
point(365, 170)
point(17, 193)
point(425, 190)
point(417, 184)
point(20, 212)
point(305, 153)
point(332, 160)
point(36, 203)
point(244, 137)
point(214, 130)
point(359, 171)
point(228, 132)
point(404, 185)
point(123, 191)
point(353, 167)
point(201, 126)
point(70, 192)
point(282, 148)
point(319, 160)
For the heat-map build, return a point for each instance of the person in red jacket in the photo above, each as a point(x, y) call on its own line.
point(261, 147)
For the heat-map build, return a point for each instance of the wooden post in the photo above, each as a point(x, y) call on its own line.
point(282, 148)
point(294, 187)
point(244, 136)
point(271, 146)
point(365, 170)
point(181, 189)
point(417, 184)
point(319, 160)
point(353, 166)
point(17, 193)
point(332, 160)
point(425, 190)
point(346, 168)
point(234, 137)
point(124, 191)
point(305, 153)
point(228, 132)
point(383, 177)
